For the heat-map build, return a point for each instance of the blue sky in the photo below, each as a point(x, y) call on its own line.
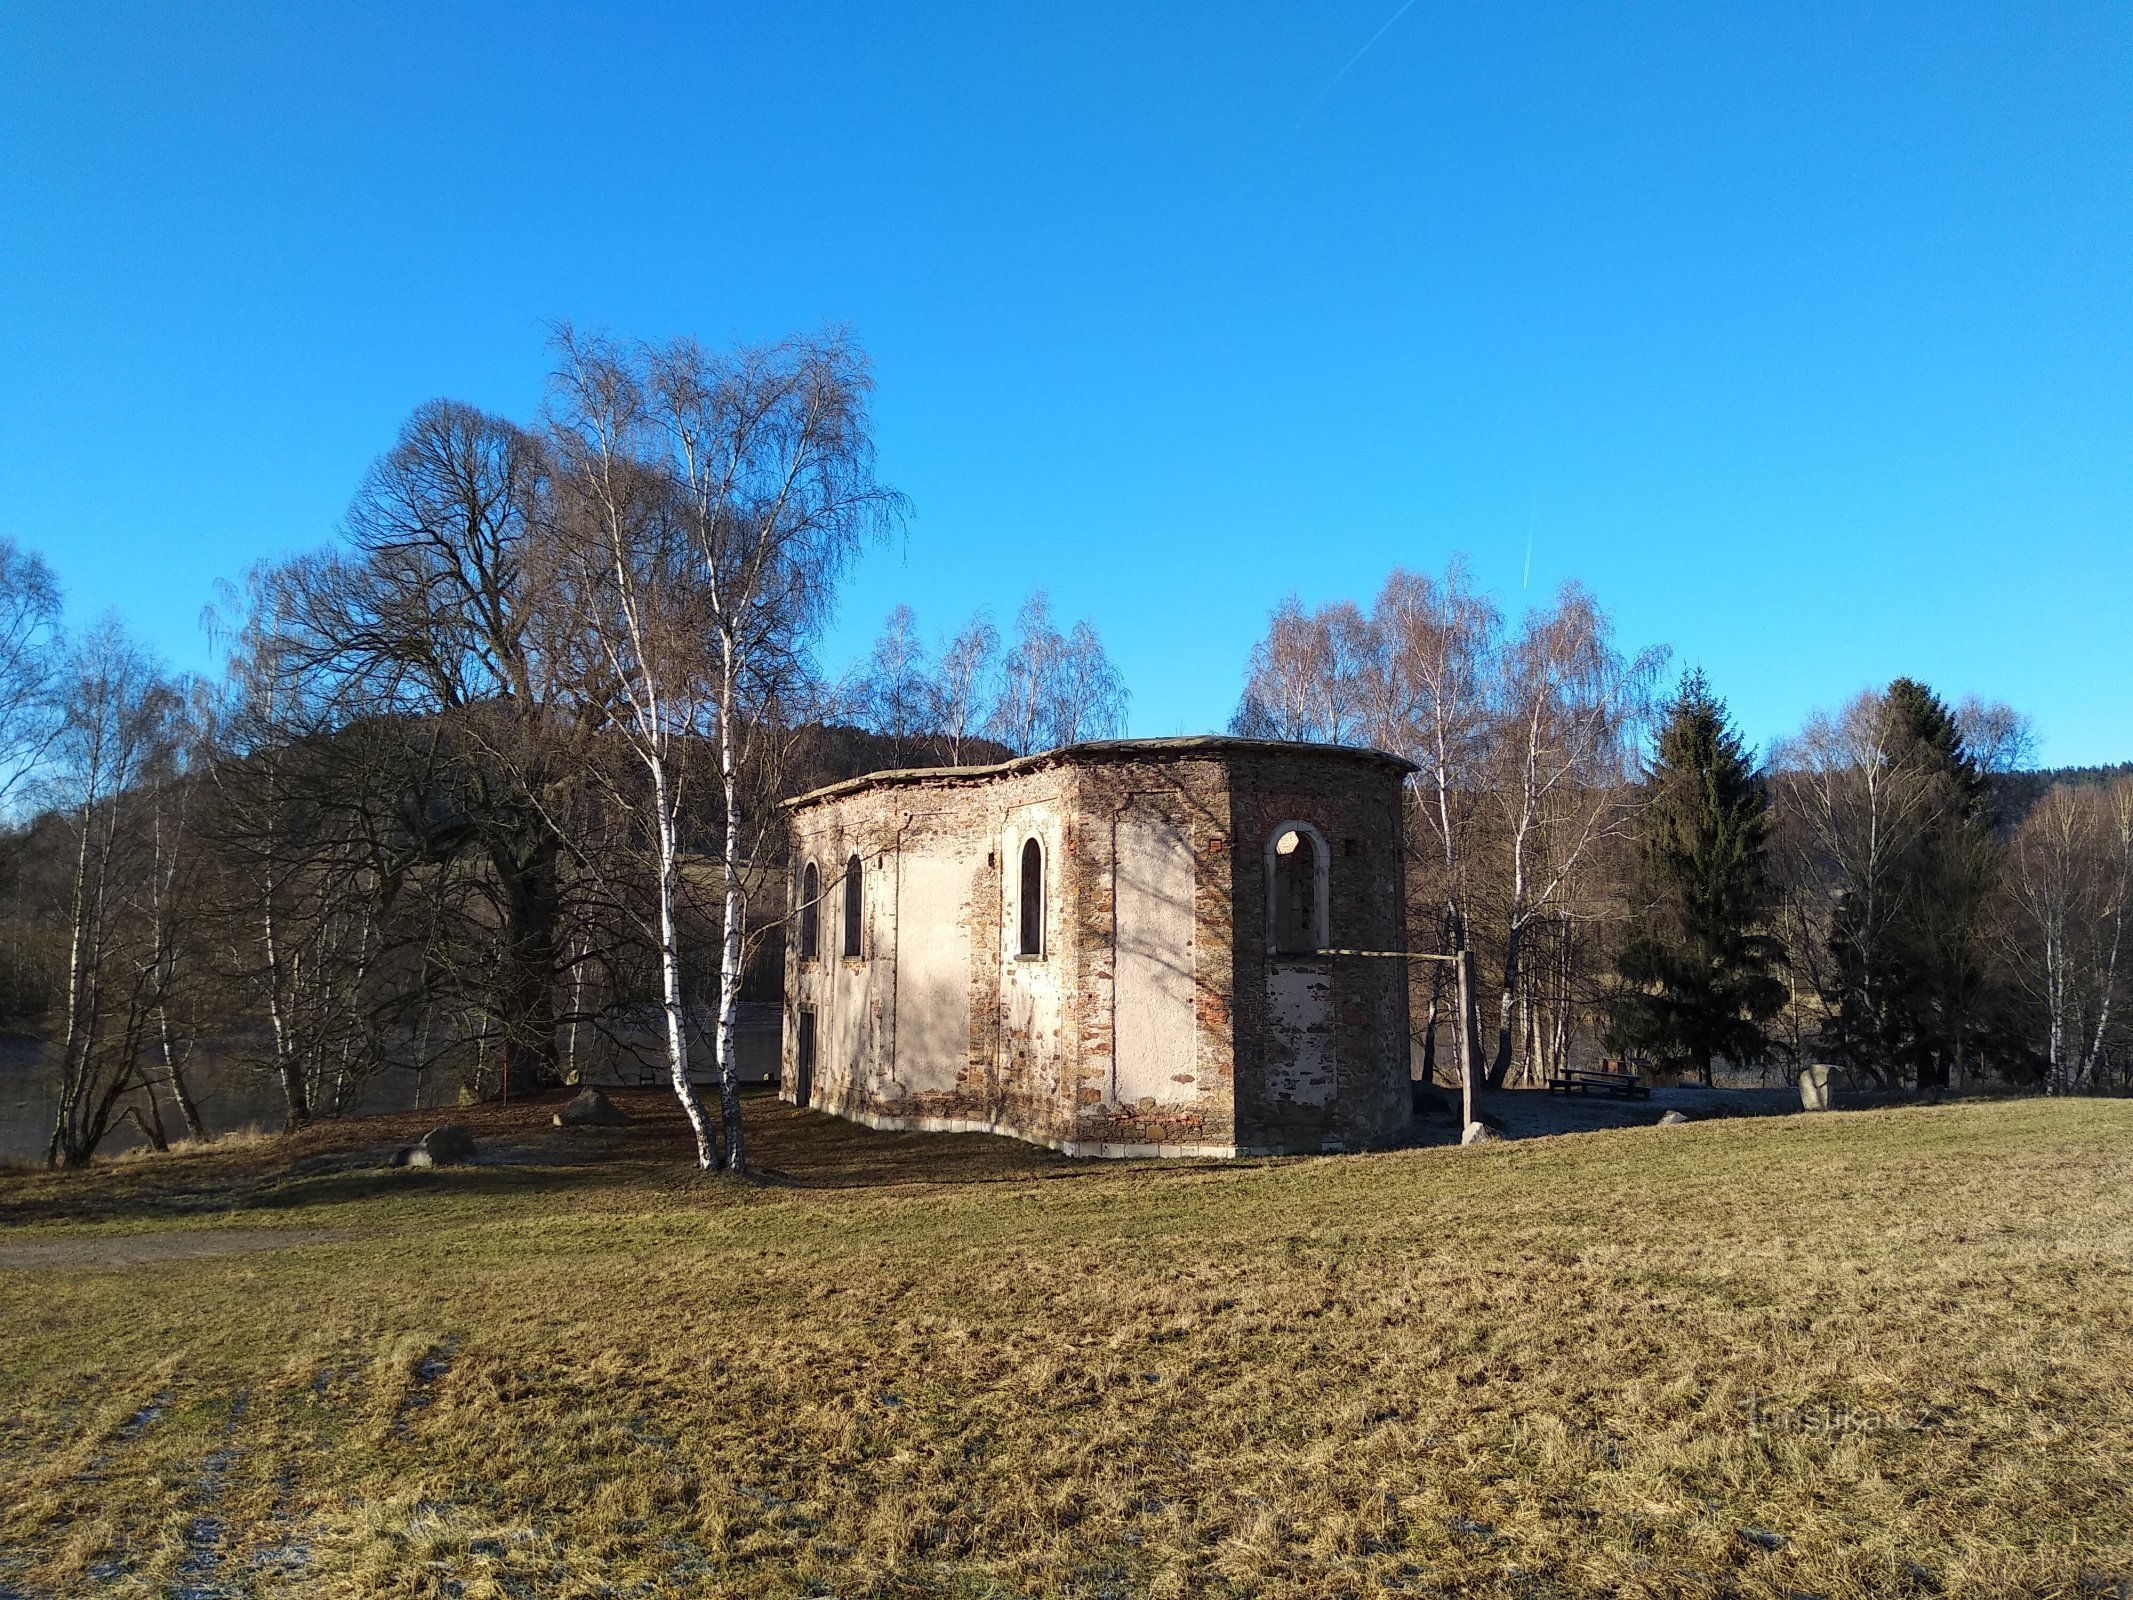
point(1799, 333)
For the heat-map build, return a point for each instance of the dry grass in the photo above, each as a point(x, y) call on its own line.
point(1880, 1353)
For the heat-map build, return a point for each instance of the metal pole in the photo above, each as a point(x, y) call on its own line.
point(1463, 959)
point(1466, 1039)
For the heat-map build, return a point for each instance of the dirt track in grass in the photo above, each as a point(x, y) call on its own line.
point(144, 1249)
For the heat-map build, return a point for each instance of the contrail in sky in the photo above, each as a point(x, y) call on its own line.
point(1406, 6)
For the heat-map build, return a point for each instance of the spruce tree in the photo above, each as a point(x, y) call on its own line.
point(1695, 969)
point(1910, 970)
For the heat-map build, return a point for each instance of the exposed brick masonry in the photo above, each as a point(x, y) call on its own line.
point(1154, 1019)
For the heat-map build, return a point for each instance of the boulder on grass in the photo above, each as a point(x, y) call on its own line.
point(1818, 1086)
point(1672, 1119)
point(1479, 1133)
point(448, 1146)
point(591, 1109)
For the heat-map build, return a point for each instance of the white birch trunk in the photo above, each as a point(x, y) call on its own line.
point(285, 1062)
point(75, 1026)
point(729, 952)
point(670, 975)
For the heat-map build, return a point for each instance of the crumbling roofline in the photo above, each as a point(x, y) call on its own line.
point(1098, 751)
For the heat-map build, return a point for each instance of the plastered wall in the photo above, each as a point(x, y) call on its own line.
point(1152, 1020)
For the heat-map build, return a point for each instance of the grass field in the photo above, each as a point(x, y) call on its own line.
point(1874, 1353)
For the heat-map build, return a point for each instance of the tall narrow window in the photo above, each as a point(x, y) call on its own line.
point(852, 908)
point(1296, 891)
point(810, 911)
point(1031, 942)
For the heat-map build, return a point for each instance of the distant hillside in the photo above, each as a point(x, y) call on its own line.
point(832, 753)
point(2015, 794)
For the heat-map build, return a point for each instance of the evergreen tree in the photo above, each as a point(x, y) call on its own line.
point(1696, 966)
point(1908, 958)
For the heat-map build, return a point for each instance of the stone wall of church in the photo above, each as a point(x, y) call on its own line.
point(1150, 1019)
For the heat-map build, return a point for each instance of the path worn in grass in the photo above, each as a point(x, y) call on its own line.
point(1867, 1354)
point(148, 1249)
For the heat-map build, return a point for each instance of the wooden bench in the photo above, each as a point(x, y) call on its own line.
point(1622, 1085)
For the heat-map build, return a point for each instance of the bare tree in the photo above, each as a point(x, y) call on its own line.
point(628, 550)
point(260, 737)
point(1303, 681)
point(1571, 711)
point(173, 907)
point(1999, 738)
point(1088, 695)
point(345, 885)
point(118, 734)
point(1427, 697)
point(1888, 851)
point(440, 614)
point(1856, 801)
point(30, 710)
point(770, 449)
point(1523, 748)
point(897, 696)
point(2068, 895)
point(1283, 679)
point(1021, 716)
point(963, 686)
point(1055, 688)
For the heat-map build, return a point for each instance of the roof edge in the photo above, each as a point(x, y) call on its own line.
point(1094, 751)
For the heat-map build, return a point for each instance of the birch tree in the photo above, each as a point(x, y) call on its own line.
point(2068, 896)
point(1522, 746)
point(118, 730)
point(1565, 740)
point(30, 709)
point(624, 545)
point(963, 687)
point(1304, 680)
point(1858, 803)
point(260, 736)
point(770, 450)
point(1088, 696)
point(896, 693)
point(1428, 699)
point(1021, 717)
point(320, 820)
point(174, 905)
point(1055, 688)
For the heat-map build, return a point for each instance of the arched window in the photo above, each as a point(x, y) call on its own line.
point(1031, 940)
point(810, 911)
point(1296, 890)
point(852, 908)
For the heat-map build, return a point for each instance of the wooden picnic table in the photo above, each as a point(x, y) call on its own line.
point(1622, 1085)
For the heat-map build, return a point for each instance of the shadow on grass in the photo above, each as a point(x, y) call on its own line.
point(343, 1161)
point(473, 1182)
point(92, 1198)
point(814, 1150)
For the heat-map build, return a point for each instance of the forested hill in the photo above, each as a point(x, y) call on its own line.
point(2015, 794)
point(830, 753)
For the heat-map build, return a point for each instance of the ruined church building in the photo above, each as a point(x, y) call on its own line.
point(1135, 947)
